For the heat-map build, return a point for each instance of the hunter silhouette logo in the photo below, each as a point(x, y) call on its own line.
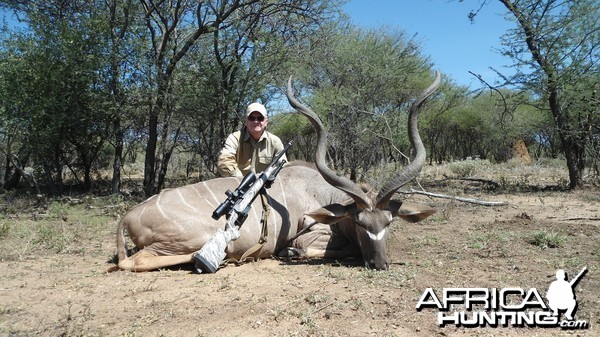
point(515, 307)
point(561, 294)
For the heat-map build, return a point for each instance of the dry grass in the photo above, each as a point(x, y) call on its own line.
point(53, 262)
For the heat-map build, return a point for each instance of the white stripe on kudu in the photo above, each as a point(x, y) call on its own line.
point(155, 227)
point(211, 193)
point(283, 194)
point(184, 201)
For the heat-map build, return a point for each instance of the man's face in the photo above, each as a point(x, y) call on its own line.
point(256, 124)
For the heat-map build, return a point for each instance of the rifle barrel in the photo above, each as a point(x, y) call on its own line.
point(578, 276)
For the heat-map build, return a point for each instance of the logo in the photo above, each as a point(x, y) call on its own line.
point(514, 307)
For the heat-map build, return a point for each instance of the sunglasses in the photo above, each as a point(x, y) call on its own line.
point(256, 118)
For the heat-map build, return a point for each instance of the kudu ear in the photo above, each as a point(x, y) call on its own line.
point(409, 211)
point(332, 213)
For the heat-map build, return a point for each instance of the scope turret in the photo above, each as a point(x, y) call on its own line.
point(232, 197)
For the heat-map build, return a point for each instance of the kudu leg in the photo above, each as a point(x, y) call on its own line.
point(147, 261)
point(321, 242)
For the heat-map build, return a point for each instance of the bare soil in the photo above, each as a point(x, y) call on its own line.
point(521, 245)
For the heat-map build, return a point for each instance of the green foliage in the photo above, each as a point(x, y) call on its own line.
point(493, 240)
point(545, 239)
point(554, 48)
point(241, 56)
point(296, 128)
point(4, 229)
point(486, 126)
point(362, 83)
point(97, 77)
point(54, 99)
point(91, 84)
point(469, 167)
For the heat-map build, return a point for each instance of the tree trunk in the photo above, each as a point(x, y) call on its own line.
point(119, 28)
point(568, 141)
point(150, 156)
point(166, 157)
point(87, 173)
point(12, 174)
point(116, 176)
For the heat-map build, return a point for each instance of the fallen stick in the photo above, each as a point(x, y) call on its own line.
point(479, 180)
point(468, 200)
point(104, 207)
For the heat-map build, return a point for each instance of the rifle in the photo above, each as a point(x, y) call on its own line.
point(577, 277)
point(236, 207)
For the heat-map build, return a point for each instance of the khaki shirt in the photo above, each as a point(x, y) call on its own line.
point(242, 154)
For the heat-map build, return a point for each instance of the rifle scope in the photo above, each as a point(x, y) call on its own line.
point(232, 197)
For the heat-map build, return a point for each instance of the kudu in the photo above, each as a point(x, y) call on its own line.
point(169, 227)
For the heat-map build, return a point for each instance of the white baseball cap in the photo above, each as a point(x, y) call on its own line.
point(256, 107)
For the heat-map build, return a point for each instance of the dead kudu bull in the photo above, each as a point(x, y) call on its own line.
point(169, 227)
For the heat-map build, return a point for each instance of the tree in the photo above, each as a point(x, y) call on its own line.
point(555, 49)
point(237, 65)
point(363, 81)
point(121, 44)
point(57, 100)
point(98, 63)
point(484, 126)
point(175, 27)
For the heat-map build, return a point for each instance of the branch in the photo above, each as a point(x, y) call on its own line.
point(484, 181)
point(14, 160)
point(445, 196)
point(480, 78)
point(582, 218)
point(104, 207)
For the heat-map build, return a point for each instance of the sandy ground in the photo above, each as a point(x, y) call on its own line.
point(463, 245)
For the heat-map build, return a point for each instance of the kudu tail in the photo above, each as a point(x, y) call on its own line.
point(121, 246)
point(121, 243)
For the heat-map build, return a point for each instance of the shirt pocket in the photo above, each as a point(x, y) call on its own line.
point(264, 160)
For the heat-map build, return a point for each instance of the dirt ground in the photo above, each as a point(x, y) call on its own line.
point(520, 245)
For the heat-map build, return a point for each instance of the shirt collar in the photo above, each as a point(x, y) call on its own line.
point(246, 135)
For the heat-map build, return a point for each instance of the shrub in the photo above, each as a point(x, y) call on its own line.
point(469, 166)
point(545, 239)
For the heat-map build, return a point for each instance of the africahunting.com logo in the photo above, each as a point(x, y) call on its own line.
point(507, 307)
